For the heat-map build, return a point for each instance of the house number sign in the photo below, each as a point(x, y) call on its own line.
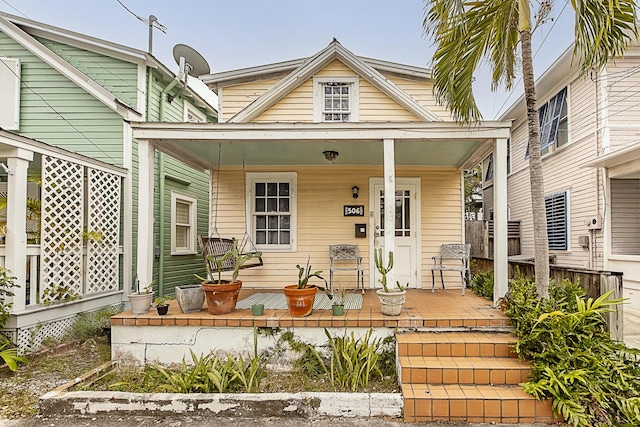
point(353, 210)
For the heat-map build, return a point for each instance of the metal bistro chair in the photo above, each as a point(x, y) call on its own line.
point(339, 258)
point(449, 254)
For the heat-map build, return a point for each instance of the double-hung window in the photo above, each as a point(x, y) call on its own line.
point(272, 217)
point(488, 168)
point(557, 219)
point(336, 99)
point(183, 224)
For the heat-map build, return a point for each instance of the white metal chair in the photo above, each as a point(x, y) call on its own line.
point(453, 257)
point(345, 258)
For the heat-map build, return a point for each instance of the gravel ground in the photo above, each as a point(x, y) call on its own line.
point(46, 371)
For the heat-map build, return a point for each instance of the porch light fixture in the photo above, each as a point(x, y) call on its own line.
point(330, 155)
point(355, 190)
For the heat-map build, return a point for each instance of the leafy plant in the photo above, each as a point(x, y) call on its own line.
point(59, 293)
point(141, 289)
point(87, 325)
point(482, 284)
point(7, 283)
point(304, 274)
point(592, 379)
point(9, 354)
point(353, 361)
point(342, 295)
point(160, 302)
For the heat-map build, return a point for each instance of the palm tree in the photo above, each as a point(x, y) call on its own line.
point(468, 32)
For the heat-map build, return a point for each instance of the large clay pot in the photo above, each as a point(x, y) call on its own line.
point(190, 298)
point(222, 298)
point(300, 301)
point(391, 303)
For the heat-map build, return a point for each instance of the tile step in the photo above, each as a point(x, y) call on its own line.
point(463, 370)
point(473, 344)
point(473, 403)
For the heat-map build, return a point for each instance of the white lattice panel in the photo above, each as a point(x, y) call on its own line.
point(62, 225)
point(103, 226)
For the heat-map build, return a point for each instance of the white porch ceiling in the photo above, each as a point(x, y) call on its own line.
point(279, 144)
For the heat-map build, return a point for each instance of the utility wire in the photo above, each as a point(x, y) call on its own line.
point(113, 161)
point(534, 56)
point(154, 23)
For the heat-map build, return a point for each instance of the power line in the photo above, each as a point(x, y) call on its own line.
point(113, 161)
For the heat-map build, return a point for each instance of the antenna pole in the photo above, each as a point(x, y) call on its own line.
point(152, 19)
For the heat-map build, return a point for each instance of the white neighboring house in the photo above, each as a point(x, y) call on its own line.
point(590, 139)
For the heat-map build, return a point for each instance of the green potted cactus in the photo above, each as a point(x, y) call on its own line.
point(391, 299)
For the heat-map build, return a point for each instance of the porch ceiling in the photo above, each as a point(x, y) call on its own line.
point(358, 144)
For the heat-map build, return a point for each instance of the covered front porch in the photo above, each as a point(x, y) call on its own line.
point(409, 177)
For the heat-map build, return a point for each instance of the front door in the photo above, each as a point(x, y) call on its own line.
point(406, 264)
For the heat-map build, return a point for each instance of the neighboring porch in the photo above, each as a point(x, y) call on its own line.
point(60, 237)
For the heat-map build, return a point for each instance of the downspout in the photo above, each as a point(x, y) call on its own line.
point(162, 187)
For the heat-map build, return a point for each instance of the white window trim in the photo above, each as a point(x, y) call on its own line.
point(10, 111)
point(193, 218)
point(190, 108)
point(354, 96)
point(292, 178)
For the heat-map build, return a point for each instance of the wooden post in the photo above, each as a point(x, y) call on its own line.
point(389, 202)
point(146, 155)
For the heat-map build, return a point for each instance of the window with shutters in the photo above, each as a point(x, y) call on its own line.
point(272, 217)
point(553, 123)
point(336, 99)
point(10, 93)
point(557, 220)
point(183, 224)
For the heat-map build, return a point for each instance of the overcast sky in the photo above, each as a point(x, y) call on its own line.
point(234, 34)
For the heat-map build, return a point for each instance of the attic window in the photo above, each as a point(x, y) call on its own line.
point(336, 99)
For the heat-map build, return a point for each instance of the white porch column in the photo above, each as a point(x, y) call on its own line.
point(389, 203)
point(16, 237)
point(500, 238)
point(146, 155)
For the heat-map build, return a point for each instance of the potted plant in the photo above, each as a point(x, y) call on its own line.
point(300, 297)
point(338, 304)
point(391, 300)
point(140, 300)
point(222, 294)
point(161, 305)
point(190, 298)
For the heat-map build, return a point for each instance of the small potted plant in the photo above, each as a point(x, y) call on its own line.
point(338, 304)
point(161, 305)
point(300, 297)
point(222, 294)
point(391, 300)
point(141, 299)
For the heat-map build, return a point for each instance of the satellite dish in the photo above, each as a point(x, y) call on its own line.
point(194, 64)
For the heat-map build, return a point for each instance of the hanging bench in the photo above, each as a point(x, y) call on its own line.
point(217, 247)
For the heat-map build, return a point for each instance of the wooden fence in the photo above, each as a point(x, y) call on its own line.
point(594, 282)
point(480, 235)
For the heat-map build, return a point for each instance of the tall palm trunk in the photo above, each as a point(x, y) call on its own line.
point(540, 238)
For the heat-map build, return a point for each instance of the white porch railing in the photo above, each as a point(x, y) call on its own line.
point(31, 292)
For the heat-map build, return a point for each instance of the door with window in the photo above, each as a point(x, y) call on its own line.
point(406, 266)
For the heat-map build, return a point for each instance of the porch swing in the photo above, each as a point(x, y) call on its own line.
point(215, 246)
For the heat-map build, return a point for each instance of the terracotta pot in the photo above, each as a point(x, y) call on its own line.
point(300, 301)
point(222, 298)
point(391, 303)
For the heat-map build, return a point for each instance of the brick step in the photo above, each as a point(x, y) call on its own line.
point(456, 344)
point(463, 370)
point(473, 403)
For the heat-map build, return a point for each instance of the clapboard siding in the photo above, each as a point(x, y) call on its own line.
point(117, 76)
point(321, 221)
point(422, 92)
point(235, 98)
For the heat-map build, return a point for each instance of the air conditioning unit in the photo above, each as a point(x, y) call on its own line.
point(595, 223)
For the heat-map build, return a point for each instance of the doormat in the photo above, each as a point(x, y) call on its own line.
point(277, 301)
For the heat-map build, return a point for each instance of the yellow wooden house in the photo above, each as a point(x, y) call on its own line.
point(330, 149)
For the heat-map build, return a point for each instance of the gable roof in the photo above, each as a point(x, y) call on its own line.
point(24, 31)
point(307, 68)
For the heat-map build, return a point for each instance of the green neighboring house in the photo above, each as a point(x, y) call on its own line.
point(80, 94)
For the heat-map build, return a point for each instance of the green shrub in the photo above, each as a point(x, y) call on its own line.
point(482, 284)
point(353, 361)
point(592, 379)
point(87, 325)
